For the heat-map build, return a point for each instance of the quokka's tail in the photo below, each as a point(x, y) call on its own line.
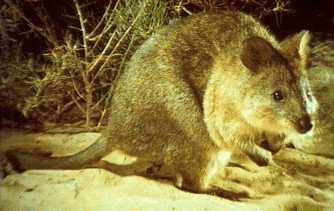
point(29, 160)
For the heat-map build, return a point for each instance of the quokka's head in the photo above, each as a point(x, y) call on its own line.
point(278, 97)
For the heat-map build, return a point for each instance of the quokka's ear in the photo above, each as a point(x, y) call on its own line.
point(257, 52)
point(296, 48)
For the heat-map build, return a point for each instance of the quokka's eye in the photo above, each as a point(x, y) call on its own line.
point(277, 95)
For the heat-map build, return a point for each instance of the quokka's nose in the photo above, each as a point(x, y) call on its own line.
point(304, 124)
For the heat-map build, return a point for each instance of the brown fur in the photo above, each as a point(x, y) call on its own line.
point(204, 85)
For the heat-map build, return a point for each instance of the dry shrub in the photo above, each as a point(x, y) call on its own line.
point(71, 79)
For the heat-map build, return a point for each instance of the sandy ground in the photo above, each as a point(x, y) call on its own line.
point(97, 189)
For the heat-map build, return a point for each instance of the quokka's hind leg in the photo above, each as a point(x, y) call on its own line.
point(195, 182)
point(203, 180)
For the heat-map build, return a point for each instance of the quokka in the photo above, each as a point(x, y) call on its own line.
point(198, 88)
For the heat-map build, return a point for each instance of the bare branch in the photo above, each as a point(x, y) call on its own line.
point(126, 53)
point(101, 55)
point(118, 43)
point(33, 27)
point(106, 105)
point(106, 12)
point(83, 28)
point(74, 28)
point(78, 104)
point(100, 101)
point(75, 87)
point(106, 28)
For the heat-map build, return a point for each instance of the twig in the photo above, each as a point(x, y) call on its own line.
point(126, 53)
point(75, 28)
point(83, 28)
point(107, 27)
point(106, 12)
point(119, 42)
point(78, 104)
point(101, 55)
point(75, 86)
point(106, 105)
point(31, 24)
point(99, 102)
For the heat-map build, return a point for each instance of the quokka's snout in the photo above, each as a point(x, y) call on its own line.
point(304, 124)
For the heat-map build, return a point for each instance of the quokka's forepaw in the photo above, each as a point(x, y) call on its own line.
point(262, 159)
point(276, 168)
point(235, 195)
point(272, 146)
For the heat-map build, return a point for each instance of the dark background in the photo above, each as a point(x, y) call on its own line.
point(314, 15)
